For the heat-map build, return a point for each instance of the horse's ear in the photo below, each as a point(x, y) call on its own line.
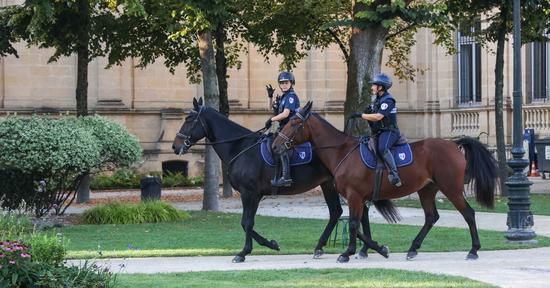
point(195, 104)
point(307, 108)
point(200, 101)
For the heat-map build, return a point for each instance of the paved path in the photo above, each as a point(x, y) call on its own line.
point(511, 268)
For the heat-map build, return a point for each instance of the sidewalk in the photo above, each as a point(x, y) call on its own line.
point(509, 268)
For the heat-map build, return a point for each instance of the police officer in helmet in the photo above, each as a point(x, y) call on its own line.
point(286, 107)
point(382, 117)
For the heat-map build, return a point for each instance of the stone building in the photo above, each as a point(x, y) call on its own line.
point(455, 95)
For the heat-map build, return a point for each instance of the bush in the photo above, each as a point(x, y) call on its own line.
point(44, 159)
point(130, 179)
point(47, 249)
point(20, 268)
point(144, 212)
point(13, 226)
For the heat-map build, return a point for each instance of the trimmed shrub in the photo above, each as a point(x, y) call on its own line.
point(144, 212)
point(43, 159)
point(130, 179)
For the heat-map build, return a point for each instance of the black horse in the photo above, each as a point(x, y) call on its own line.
point(239, 149)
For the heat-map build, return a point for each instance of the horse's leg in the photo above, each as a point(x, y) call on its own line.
point(427, 199)
point(250, 206)
point(456, 197)
point(355, 205)
point(469, 215)
point(335, 211)
point(367, 238)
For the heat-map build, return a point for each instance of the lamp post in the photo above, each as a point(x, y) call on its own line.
point(520, 218)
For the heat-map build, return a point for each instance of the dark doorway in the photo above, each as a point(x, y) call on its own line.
point(174, 166)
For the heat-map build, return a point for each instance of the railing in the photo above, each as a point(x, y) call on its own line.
point(537, 117)
point(464, 122)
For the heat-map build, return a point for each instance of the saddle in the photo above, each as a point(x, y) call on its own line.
point(401, 152)
point(298, 155)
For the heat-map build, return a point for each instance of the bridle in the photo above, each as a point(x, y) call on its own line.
point(187, 138)
point(289, 141)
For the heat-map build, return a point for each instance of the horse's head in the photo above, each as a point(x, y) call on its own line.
point(294, 132)
point(192, 130)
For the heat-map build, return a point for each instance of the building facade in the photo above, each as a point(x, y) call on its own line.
point(453, 97)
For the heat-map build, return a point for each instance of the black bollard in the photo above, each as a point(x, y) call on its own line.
point(150, 188)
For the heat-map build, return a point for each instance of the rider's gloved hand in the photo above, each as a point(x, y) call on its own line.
point(356, 115)
point(267, 124)
point(270, 90)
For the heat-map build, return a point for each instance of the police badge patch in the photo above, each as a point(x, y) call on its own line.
point(384, 106)
point(291, 100)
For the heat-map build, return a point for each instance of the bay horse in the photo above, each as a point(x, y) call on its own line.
point(239, 149)
point(439, 165)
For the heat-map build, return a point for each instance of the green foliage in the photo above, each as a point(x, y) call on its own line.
point(13, 226)
point(117, 146)
point(43, 145)
point(130, 179)
point(179, 180)
point(19, 268)
point(16, 267)
point(47, 249)
point(43, 159)
point(144, 212)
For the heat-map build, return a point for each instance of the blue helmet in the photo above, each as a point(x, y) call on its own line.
point(286, 76)
point(382, 80)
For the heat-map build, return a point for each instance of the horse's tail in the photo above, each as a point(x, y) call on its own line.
point(387, 210)
point(482, 168)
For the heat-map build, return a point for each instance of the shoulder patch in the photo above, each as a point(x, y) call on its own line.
point(384, 106)
point(291, 100)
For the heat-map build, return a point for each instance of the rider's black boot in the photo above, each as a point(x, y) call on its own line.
point(285, 180)
point(393, 177)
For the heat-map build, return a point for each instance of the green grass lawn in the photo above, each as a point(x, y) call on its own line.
point(209, 233)
point(298, 278)
point(540, 204)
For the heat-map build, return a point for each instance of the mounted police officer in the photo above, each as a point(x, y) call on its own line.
point(382, 117)
point(285, 107)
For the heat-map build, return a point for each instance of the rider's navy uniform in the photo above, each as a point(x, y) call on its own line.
point(386, 129)
point(289, 100)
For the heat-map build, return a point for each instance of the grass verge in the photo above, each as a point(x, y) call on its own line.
point(209, 233)
point(540, 204)
point(298, 278)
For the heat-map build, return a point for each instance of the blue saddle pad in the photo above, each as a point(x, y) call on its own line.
point(401, 153)
point(301, 154)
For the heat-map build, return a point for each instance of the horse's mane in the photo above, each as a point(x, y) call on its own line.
point(323, 120)
point(225, 123)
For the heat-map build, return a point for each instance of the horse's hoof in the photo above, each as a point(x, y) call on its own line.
point(385, 251)
point(238, 259)
point(318, 254)
point(275, 245)
point(411, 255)
point(472, 256)
point(343, 259)
point(362, 255)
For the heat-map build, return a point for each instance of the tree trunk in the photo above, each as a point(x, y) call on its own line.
point(211, 97)
point(82, 61)
point(221, 71)
point(81, 93)
point(365, 60)
point(499, 86)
